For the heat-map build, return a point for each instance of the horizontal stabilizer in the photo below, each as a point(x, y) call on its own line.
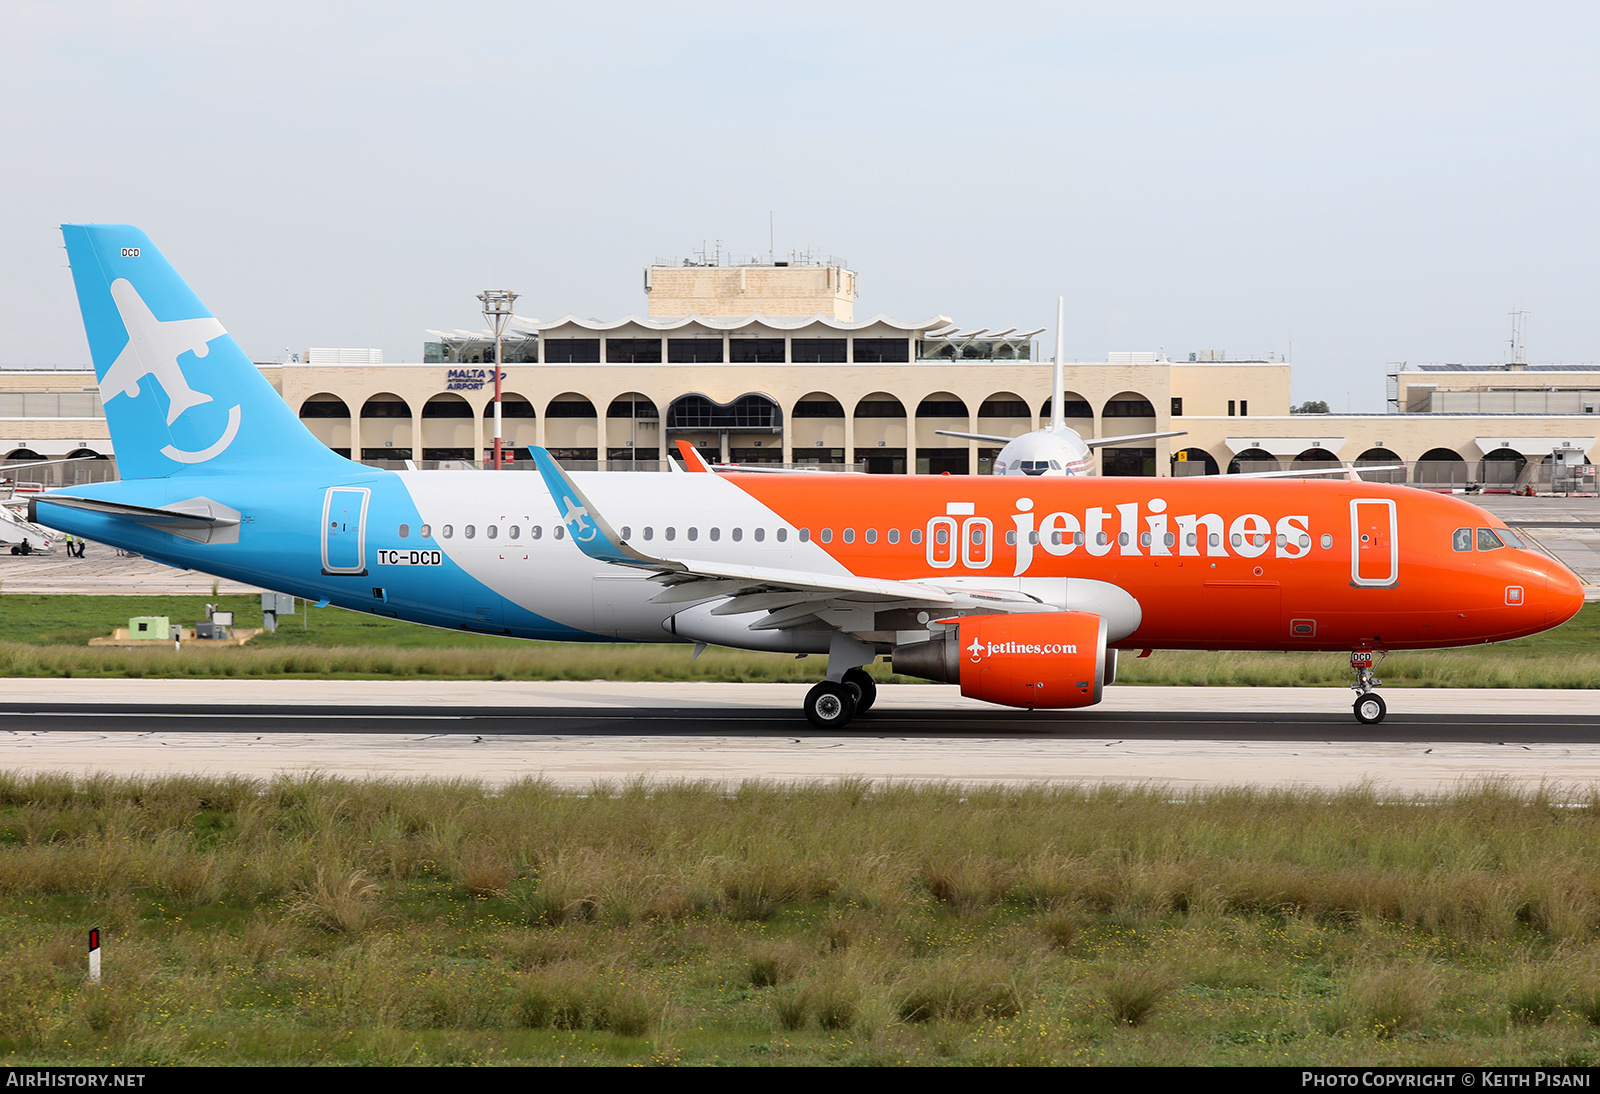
point(198, 519)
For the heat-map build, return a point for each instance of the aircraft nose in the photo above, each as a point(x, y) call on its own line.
point(1563, 593)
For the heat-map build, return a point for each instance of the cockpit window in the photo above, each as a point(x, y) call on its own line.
point(1511, 538)
point(1487, 540)
point(1462, 540)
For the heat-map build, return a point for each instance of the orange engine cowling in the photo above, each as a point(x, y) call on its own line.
point(1041, 659)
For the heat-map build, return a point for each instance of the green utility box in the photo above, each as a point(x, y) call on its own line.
point(148, 626)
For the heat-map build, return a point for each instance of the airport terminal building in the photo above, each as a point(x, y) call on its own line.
point(765, 363)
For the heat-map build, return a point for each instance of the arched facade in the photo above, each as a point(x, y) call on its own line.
point(328, 418)
point(633, 428)
point(1253, 461)
point(1441, 468)
point(1193, 461)
point(572, 427)
point(386, 430)
point(879, 431)
point(1381, 457)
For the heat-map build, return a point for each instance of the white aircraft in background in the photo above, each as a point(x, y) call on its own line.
point(1060, 449)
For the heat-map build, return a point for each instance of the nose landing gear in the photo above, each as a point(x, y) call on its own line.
point(1369, 706)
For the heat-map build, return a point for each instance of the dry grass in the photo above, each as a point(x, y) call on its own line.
point(438, 922)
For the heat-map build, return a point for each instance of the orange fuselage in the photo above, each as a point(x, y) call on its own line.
point(1214, 563)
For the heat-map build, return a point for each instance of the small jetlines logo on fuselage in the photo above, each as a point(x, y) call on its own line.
point(1022, 649)
point(153, 349)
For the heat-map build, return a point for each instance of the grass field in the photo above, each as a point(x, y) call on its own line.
point(319, 921)
point(47, 636)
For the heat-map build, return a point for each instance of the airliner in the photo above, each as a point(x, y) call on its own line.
point(1057, 449)
point(1021, 590)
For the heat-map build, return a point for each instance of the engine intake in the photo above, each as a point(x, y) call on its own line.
point(1037, 660)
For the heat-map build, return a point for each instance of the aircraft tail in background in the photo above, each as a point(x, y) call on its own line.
point(178, 391)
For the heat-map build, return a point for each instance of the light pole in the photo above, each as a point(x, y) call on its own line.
point(497, 310)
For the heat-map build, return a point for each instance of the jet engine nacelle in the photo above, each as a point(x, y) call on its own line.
point(1033, 660)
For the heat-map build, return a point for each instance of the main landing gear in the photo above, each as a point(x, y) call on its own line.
point(831, 705)
point(1369, 706)
point(848, 690)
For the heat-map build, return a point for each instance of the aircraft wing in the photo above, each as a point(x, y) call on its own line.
point(1101, 442)
point(975, 436)
point(789, 597)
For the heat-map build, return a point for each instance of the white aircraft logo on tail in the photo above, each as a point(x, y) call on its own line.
point(153, 349)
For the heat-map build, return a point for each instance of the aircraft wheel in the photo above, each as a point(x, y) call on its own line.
point(1370, 709)
point(830, 705)
point(865, 686)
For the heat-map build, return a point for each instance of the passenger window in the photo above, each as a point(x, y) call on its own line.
point(805, 535)
point(535, 532)
point(716, 534)
point(426, 532)
point(627, 532)
point(761, 535)
point(738, 534)
point(1144, 539)
point(672, 534)
point(1011, 539)
point(894, 535)
point(941, 535)
point(448, 531)
point(872, 535)
point(827, 535)
point(560, 531)
point(649, 532)
point(1055, 538)
point(1214, 539)
point(1462, 540)
point(1169, 539)
point(849, 535)
point(516, 531)
point(493, 531)
point(694, 534)
point(1488, 541)
point(1122, 539)
point(977, 534)
point(916, 536)
point(1101, 539)
point(405, 531)
point(470, 530)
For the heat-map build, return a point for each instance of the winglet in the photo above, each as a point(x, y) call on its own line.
point(692, 460)
point(590, 531)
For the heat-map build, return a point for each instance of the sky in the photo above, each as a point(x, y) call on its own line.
point(1360, 183)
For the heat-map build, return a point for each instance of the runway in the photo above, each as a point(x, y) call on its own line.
point(575, 734)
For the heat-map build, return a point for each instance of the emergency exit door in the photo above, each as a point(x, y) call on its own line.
point(1374, 543)
point(344, 530)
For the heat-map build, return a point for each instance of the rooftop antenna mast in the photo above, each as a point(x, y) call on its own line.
point(1519, 328)
point(1058, 419)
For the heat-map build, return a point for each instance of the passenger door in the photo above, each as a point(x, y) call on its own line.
point(1374, 543)
point(344, 531)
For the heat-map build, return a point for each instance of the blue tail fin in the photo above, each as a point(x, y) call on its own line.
point(177, 389)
